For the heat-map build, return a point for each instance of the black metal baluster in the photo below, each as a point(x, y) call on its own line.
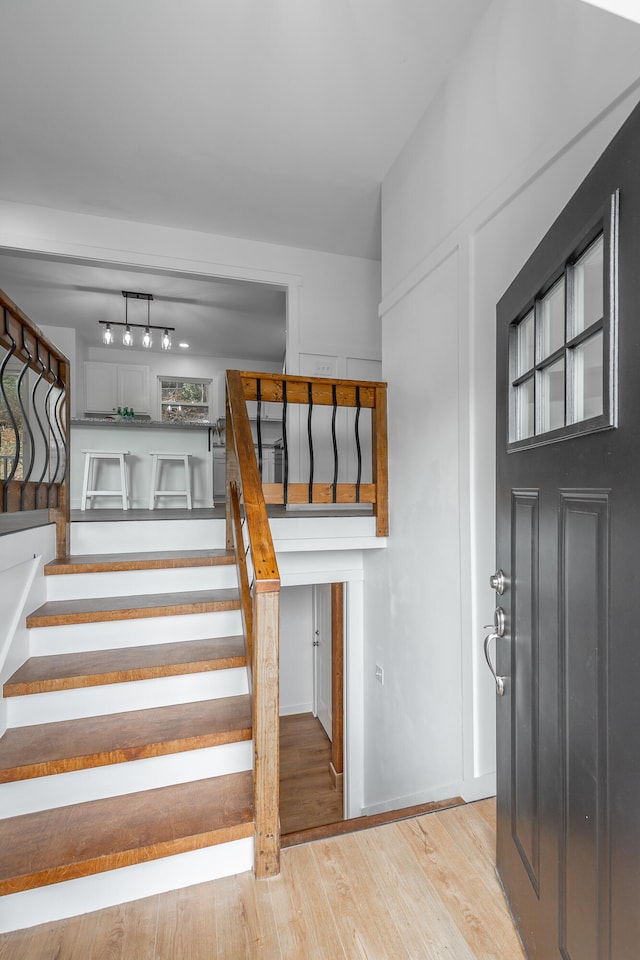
point(335, 445)
point(26, 468)
point(309, 431)
point(358, 408)
point(52, 433)
point(14, 425)
point(285, 447)
point(259, 423)
point(61, 448)
point(59, 461)
point(45, 443)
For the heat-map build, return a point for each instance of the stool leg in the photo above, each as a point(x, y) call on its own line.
point(154, 476)
point(123, 483)
point(187, 477)
point(85, 482)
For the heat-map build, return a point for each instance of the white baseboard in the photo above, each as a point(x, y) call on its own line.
point(291, 710)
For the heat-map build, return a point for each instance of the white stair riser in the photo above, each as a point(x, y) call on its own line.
point(114, 537)
point(122, 697)
point(73, 897)
point(129, 583)
point(115, 634)
point(80, 786)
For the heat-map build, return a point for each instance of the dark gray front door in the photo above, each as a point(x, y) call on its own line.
point(568, 542)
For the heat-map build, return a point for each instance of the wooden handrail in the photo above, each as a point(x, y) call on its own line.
point(22, 341)
point(261, 618)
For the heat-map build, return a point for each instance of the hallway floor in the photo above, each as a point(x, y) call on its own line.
point(307, 795)
point(418, 889)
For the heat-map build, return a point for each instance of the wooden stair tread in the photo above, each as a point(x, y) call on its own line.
point(47, 847)
point(68, 671)
point(158, 560)
point(50, 748)
point(99, 609)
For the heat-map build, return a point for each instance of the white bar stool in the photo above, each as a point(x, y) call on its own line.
point(92, 459)
point(156, 461)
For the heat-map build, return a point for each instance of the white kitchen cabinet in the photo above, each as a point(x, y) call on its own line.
point(111, 385)
point(133, 387)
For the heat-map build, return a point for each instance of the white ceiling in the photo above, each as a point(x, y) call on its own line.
point(221, 318)
point(272, 120)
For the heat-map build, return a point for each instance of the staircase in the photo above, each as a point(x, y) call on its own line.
point(126, 768)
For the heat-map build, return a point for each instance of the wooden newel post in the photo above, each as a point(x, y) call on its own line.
point(266, 727)
point(380, 462)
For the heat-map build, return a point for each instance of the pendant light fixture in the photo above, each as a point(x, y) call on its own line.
point(127, 336)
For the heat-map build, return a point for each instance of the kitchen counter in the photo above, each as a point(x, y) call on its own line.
point(138, 422)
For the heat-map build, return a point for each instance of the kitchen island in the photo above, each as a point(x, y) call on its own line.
point(139, 437)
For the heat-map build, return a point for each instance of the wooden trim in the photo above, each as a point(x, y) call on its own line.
point(380, 455)
point(298, 389)
point(336, 778)
point(266, 726)
point(263, 555)
point(36, 345)
point(337, 679)
point(341, 827)
point(322, 493)
point(36, 495)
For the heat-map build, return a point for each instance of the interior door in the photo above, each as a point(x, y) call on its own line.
point(566, 641)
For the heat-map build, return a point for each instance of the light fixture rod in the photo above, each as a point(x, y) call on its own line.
point(143, 326)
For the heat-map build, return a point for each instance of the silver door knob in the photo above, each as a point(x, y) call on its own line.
point(498, 581)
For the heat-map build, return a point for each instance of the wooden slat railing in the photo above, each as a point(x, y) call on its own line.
point(34, 422)
point(249, 534)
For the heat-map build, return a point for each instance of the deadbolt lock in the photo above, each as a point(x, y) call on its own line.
point(498, 581)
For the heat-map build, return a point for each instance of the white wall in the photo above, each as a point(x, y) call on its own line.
point(529, 106)
point(332, 300)
point(22, 589)
point(296, 650)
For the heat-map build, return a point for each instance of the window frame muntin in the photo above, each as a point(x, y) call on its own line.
point(605, 222)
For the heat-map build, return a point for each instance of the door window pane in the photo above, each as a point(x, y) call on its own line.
point(587, 368)
point(525, 341)
point(588, 288)
point(551, 334)
point(550, 411)
point(524, 410)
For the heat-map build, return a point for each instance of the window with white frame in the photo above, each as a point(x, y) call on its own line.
point(185, 400)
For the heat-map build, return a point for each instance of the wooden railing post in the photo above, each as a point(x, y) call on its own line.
point(380, 455)
point(266, 727)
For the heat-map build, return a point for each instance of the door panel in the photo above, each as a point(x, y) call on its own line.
point(524, 673)
point(583, 665)
point(568, 529)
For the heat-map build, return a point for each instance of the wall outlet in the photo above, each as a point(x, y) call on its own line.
point(379, 673)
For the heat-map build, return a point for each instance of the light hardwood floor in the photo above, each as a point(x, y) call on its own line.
point(307, 795)
point(419, 889)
